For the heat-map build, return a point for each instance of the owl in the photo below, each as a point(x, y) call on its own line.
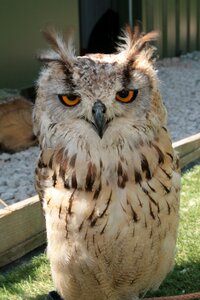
point(107, 176)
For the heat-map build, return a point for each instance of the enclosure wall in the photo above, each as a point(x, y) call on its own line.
point(21, 23)
point(177, 20)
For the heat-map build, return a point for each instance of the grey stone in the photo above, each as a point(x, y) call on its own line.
point(7, 195)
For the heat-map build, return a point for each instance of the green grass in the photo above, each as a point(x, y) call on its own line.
point(32, 281)
point(185, 277)
point(28, 282)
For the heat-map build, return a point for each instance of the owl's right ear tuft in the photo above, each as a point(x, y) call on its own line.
point(62, 52)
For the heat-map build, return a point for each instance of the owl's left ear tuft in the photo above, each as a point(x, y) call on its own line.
point(62, 52)
point(135, 42)
point(143, 44)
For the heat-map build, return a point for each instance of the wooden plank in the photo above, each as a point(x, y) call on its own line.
point(23, 248)
point(183, 28)
point(198, 25)
point(193, 25)
point(144, 15)
point(158, 24)
point(188, 149)
point(187, 145)
point(171, 28)
point(165, 43)
point(177, 24)
point(22, 229)
point(190, 157)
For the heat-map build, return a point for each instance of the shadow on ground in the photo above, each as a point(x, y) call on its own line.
point(184, 279)
point(39, 297)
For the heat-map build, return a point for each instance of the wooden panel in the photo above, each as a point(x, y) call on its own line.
point(178, 21)
point(198, 24)
point(22, 229)
point(23, 248)
point(188, 149)
point(187, 145)
point(150, 14)
point(193, 25)
point(171, 28)
point(177, 24)
point(183, 26)
point(190, 157)
point(164, 28)
point(144, 16)
point(158, 24)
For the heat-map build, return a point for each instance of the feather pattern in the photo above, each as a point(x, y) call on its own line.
point(111, 202)
point(63, 53)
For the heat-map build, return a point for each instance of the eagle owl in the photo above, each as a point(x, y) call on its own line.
point(107, 175)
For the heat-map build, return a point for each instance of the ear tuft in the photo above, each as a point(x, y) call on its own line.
point(135, 33)
point(62, 52)
point(135, 41)
point(143, 40)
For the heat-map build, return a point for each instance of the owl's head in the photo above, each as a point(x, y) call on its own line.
point(98, 97)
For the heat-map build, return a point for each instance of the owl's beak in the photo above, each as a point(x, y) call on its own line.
point(98, 111)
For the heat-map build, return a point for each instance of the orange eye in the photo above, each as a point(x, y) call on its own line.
point(70, 100)
point(126, 96)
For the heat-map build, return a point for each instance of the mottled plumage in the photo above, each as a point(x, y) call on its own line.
point(107, 174)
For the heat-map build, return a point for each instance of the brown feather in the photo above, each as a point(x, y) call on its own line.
point(63, 52)
point(136, 41)
point(52, 38)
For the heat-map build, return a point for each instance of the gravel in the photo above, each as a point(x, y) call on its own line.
point(180, 88)
point(17, 175)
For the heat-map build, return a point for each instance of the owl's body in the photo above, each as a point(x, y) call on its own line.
point(107, 174)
